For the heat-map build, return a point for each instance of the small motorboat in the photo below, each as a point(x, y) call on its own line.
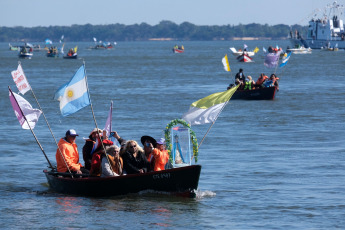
point(239, 52)
point(25, 55)
point(178, 49)
point(299, 50)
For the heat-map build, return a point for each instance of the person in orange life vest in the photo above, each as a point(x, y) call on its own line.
point(261, 80)
point(69, 155)
point(149, 143)
point(96, 160)
point(160, 155)
point(90, 146)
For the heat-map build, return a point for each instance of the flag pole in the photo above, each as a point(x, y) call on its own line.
point(39, 144)
point(94, 118)
point(215, 119)
point(32, 91)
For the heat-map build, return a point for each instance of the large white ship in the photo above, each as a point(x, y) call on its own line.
point(324, 31)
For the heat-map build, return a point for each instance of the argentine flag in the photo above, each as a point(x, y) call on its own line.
point(73, 96)
point(285, 60)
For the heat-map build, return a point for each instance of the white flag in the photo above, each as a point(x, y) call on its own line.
point(30, 113)
point(20, 80)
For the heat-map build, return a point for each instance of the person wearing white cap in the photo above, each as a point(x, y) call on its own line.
point(161, 155)
point(67, 156)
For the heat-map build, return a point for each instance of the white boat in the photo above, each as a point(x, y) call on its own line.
point(324, 30)
point(299, 50)
point(237, 53)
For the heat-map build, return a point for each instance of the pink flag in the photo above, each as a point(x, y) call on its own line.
point(20, 80)
point(24, 111)
point(108, 123)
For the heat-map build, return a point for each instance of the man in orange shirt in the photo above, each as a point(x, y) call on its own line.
point(160, 155)
point(67, 156)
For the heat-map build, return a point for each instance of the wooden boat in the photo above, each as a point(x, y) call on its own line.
point(180, 181)
point(267, 93)
point(244, 58)
point(237, 53)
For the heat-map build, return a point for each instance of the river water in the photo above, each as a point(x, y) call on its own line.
point(265, 164)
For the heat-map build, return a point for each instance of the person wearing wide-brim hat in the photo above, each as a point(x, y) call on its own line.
point(149, 144)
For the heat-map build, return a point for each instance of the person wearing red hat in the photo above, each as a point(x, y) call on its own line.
point(67, 156)
point(90, 146)
point(96, 160)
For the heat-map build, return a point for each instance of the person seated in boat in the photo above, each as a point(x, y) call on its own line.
point(261, 80)
point(112, 163)
point(96, 161)
point(134, 160)
point(67, 156)
point(250, 84)
point(70, 52)
point(149, 143)
point(274, 80)
point(161, 155)
point(91, 145)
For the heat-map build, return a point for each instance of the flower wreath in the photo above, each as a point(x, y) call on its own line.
point(168, 138)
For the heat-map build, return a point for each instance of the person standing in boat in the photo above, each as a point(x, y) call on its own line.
point(67, 156)
point(240, 76)
point(90, 146)
point(134, 160)
point(160, 155)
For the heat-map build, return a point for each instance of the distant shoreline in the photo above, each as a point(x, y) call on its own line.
point(223, 39)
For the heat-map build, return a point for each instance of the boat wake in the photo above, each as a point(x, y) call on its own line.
point(203, 194)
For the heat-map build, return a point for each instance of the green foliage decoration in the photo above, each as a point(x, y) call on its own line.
point(168, 138)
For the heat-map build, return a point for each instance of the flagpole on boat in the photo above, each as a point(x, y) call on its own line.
point(32, 91)
point(94, 118)
point(39, 144)
point(215, 120)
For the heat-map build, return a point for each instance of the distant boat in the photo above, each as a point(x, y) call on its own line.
point(239, 52)
point(25, 52)
point(13, 48)
point(244, 58)
point(72, 53)
point(326, 29)
point(178, 49)
point(53, 52)
point(299, 50)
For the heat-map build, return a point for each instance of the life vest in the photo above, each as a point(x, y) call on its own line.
point(261, 80)
point(248, 86)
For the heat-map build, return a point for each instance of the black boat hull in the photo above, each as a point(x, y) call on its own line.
point(182, 181)
point(267, 93)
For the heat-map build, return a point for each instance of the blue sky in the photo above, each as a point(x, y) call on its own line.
point(30, 13)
